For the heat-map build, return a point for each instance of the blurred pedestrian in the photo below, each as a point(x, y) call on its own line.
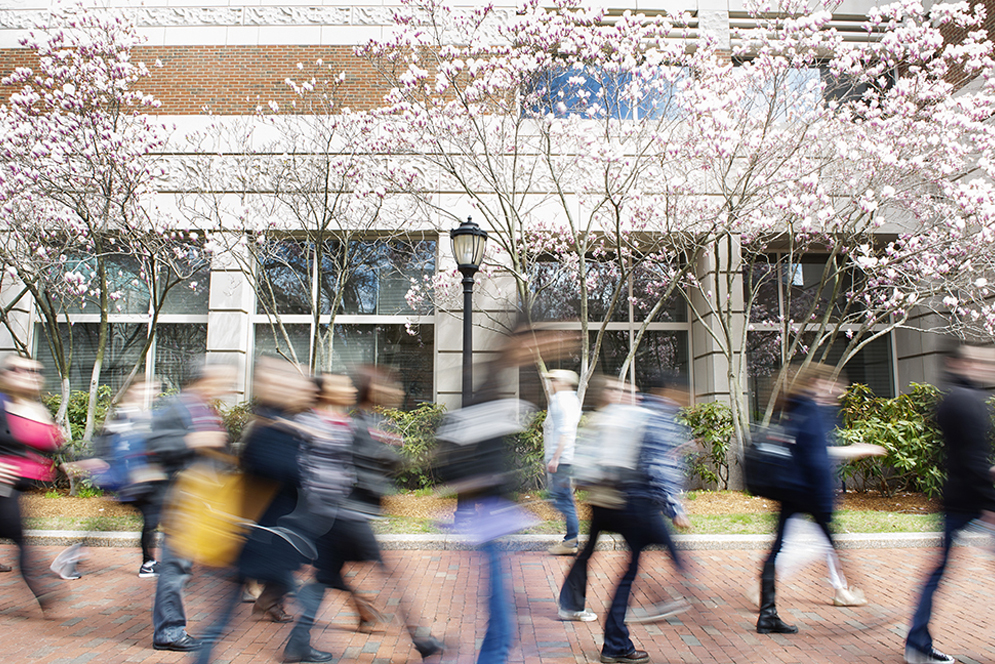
point(122, 464)
point(665, 443)
point(282, 539)
point(559, 438)
point(810, 389)
point(327, 477)
point(271, 451)
point(632, 483)
point(184, 424)
point(965, 421)
point(375, 462)
point(26, 432)
point(479, 467)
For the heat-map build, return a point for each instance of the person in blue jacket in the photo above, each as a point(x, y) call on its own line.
point(805, 415)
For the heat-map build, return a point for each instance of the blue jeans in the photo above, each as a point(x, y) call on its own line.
point(919, 637)
point(562, 493)
point(497, 639)
point(231, 594)
point(169, 621)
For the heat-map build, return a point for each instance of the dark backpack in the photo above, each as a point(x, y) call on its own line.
point(769, 464)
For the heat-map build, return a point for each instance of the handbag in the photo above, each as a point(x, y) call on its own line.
point(769, 464)
point(211, 509)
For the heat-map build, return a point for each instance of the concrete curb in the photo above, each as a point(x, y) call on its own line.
point(453, 542)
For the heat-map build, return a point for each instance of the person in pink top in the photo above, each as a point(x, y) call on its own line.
point(26, 432)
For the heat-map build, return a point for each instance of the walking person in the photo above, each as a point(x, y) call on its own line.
point(27, 430)
point(809, 391)
point(964, 420)
point(342, 489)
point(122, 464)
point(183, 425)
point(559, 438)
point(282, 538)
point(633, 490)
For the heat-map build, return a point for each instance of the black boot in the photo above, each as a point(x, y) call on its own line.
point(427, 645)
point(769, 622)
point(298, 651)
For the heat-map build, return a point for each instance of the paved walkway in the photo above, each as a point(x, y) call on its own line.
point(104, 617)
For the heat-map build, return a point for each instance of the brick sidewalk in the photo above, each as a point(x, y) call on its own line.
point(104, 617)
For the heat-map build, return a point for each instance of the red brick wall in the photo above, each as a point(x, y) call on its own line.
point(955, 36)
point(234, 79)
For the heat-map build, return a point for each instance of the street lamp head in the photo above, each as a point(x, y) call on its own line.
point(468, 245)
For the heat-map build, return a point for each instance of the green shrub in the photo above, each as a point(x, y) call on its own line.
point(904, 427)
point(712, 428)
point(528, 455)
point(417, 429)
point(76, 447)
point(235, 417)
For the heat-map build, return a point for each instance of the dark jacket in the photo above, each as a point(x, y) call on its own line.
point(807, 422)
point(171, 422)
point(271, 451)
point(965, 421)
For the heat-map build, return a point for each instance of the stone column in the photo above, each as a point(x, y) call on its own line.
point(229, 318)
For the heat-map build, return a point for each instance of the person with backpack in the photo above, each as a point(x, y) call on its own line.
point(811, 390)
point(122, 465)
point(132, 474)
point(621, 461)
point(965, 420)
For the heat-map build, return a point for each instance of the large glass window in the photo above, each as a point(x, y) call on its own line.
point(379, 275)
point(178, 350)
point(660, 350)
point(287, 340)
point(124, 345)
point(175, 350)
point(872, 365)
point(556, 292)
point(383, 273)
point(373, 325)
point(284, 284)
point(407, 352)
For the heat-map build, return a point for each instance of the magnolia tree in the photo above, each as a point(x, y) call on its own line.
point(851, 183)
point(560, 136)
point(78, 168)
point(804, 194)
point(319, 233)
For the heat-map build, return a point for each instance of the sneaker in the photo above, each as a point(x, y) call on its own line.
point(564, 548)
point(657, 612)
point(585, 615)
point(68, 572)
point(148, 570)
point(634, 657)
point(934, 656)
point(849, 597)
point(65, 563)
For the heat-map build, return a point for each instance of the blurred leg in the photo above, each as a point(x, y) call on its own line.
point(497, 640)
point(169, 620)
point(562, 495)
point(573, 593)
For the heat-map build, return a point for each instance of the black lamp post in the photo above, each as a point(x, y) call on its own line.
point(468, 248)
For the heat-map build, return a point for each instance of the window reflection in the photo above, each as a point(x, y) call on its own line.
point(124, 345)
point(378, 276)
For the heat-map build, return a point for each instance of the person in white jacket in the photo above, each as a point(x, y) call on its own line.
point(559, 439)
